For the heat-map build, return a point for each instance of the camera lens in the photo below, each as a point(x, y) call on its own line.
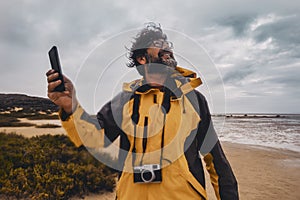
point(147, 176)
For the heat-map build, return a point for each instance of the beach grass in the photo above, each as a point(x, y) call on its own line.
point(28, 115)
point(49, 167)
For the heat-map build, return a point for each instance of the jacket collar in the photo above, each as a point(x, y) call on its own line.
point(179, 83)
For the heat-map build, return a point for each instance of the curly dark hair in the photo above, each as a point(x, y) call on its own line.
point(143, 40)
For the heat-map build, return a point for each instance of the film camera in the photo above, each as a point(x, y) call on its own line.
point(147, 174)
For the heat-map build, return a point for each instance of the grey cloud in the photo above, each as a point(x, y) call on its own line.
point(286, 77)
point(238, 74)
point(264, 63)
point(283, 46)
point(66, 22)
point(29, 28)
point(285, 31)
point(239, 23)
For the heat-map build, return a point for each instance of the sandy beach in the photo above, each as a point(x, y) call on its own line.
point(262, 172)
point(265, 173)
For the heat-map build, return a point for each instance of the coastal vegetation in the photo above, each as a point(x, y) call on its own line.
point(50, 167)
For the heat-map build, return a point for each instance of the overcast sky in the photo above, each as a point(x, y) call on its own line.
point(246, 52)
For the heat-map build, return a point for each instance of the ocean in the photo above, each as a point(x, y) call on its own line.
point(278, 131)
point(281, 132)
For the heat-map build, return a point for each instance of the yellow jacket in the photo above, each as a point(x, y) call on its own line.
point(175, 117)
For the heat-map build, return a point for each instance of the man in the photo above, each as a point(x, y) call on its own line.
point(163, 123)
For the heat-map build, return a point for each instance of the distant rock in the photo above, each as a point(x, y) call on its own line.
point(25, 103)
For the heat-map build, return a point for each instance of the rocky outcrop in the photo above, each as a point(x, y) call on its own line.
point(28, 104)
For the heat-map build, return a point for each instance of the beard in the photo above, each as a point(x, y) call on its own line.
point(159, 65)
point(171, 62)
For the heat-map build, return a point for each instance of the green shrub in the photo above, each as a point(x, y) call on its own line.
point(37, 116)
point(9, 121)
point(48, 126)
point(28, 115)
point(49, 167)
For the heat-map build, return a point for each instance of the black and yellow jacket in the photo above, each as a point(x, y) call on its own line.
point(145, 119)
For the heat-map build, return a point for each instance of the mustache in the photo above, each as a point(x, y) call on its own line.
point(171, 62)
point(160, 65)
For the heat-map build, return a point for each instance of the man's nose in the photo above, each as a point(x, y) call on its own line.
point(166, 56)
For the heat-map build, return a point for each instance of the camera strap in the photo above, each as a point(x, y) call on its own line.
point(145, 135)
point(162, 142)
point(135, 118)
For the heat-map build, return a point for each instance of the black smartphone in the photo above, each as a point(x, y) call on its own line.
point(55, 64)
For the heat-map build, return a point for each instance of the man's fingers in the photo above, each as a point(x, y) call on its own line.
point(52, 77)
point(57, 98)
point(53, 96)
point(66, 92)
point(51, 71)
point(52, 85)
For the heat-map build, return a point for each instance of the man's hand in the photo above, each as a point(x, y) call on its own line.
point(67, 99)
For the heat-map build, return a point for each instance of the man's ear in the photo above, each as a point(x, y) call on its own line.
point(142, 60)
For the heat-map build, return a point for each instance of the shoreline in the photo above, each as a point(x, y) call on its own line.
point(267, 147)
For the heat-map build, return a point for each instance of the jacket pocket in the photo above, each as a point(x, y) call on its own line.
point(194, 185)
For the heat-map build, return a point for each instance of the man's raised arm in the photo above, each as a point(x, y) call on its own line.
point(82, 128)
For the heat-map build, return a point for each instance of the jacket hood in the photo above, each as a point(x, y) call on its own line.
point(184, 81)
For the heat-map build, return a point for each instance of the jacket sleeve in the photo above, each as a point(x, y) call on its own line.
point(91, 131)
point(221, 174)
point(82, 128)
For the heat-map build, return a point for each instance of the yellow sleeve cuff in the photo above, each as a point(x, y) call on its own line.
point(70, 128)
